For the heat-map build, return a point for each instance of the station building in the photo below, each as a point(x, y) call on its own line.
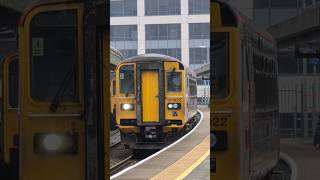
point(178, 28)
point(299, 80)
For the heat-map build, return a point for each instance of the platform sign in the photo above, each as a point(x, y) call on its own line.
point(314, 61)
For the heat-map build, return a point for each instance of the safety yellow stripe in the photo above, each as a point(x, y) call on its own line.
point(185, 165)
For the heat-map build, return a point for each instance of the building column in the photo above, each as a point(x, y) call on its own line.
point(184, 32)
point(141, 27)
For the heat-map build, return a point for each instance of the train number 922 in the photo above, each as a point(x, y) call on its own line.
point(219, 121)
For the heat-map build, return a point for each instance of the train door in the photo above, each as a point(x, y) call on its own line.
point(10, 109)
point(52, 126)
point(150, 96)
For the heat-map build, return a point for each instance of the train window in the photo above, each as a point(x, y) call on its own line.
point(193, 87)
point(220, 64)
point(13, 83)
point(127, 79)
point(54, 55)
point(114, 87)
point(174, 81)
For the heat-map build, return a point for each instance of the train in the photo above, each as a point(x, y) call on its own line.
point(9, 120)
point(156, 96)
point(244, 101)
point(56, 101)
point(9, 110)
point(115, 57)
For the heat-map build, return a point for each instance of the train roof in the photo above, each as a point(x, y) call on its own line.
point(234, 18)
point(151, 57)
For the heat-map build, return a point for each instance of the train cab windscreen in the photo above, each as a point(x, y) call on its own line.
point(54, 54)
point(174, 81)
point(127, 79)
point(219, 64)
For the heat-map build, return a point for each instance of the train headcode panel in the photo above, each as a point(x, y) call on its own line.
point(244, 97)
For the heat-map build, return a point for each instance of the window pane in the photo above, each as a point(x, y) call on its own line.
point(198, 56)
point(54, 55)
point(13, 83)
point(199, 7)
point(162, 7)
point(125, 39)
point(199, 30)
point(163, 31)
point(174, 81)
point(124, 33)
point(164, 39)
point(169, 52)
point(220, 65)
point(127, 79)
point(123, 8)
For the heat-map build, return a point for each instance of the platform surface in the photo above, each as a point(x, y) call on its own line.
point(306, 157)
point(201, 172)
point(180, 161)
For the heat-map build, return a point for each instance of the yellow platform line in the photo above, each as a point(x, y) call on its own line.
point(185, 165)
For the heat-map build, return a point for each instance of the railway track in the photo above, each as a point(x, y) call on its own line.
point(115, 138)
point(120, 162)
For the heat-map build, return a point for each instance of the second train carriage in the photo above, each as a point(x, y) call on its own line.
point(9, 118)
point(156, 96)
point(115, 58)
point(55, 138)
point(244, 98)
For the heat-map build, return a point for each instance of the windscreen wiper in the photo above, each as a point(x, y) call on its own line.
point(61, 90)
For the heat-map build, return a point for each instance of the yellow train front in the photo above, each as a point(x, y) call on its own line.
point(156, 96)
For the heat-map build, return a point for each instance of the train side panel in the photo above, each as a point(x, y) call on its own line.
point(52, 127)
point(10, 108)
point(225, 113)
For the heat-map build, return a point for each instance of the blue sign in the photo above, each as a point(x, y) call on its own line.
point(314, 61)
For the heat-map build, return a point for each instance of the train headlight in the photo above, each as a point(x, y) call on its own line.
point(127, 107)
point(52, 142)
point(174, 106)
point(46, 143)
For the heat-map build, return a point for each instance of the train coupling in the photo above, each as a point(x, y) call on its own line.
point(150, 133)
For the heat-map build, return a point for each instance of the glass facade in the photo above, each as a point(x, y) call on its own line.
point(199, 6)
point(120, 8)
point(125, 39)
point(162, 7)
point(271, 12)
point(164, 39)
point(199, 44)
